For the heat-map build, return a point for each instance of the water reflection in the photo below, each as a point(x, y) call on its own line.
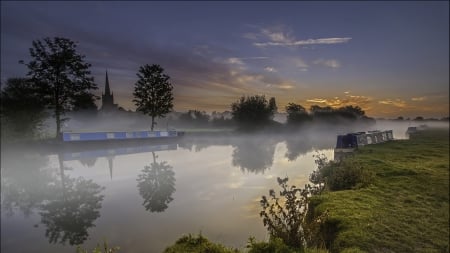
point(73, 210)
point(88, 162)
point(67, 206)
point(254, 155)
point(156, 184)
point(25, 184)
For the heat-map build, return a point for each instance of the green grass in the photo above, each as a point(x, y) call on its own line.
point(406, 208)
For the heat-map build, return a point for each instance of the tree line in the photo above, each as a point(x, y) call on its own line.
point(59, 81)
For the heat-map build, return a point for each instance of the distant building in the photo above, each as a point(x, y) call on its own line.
point(108, 98)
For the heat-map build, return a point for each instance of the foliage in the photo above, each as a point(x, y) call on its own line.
point(197, 244)
point(275, 245)
point(222, 122)
point(405, 209)
point(153, 94)
point(156, 185)
point(288, 218)
point(253, 111)
point(60, 73)
point(194, 118)
point(296, 114)
point(338, 115)
point(22, 109)
point(273, 105)
point(340, 175)
point(100, 249)
point(84, 101)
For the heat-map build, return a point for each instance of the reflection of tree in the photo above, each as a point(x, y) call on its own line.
point(88, 162)
point(68, 217)
point(156, 185)
point(254, 155)
point(68, 206)
point(296, 147)
point(73, 211)
point(24, 182)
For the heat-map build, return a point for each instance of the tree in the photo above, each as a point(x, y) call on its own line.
point(273, 105)
point(153, 92)
point(253, 111)
point(194, 118)
point(296, 114)
point(61, 74)
point(22, 109)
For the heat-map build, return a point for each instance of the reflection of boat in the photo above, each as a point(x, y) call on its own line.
point(107, 152)
point(346, 144)
point(118, 135)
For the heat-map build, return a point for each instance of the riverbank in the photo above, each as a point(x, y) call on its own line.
point(406, 209)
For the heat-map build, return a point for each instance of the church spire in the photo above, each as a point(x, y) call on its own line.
point(107, 90)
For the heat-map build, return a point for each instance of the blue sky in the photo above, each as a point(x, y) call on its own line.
point(390, 58)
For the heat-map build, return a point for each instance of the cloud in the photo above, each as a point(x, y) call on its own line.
point(270, 69)
point(299, 63)
point(276, 34)
point(396, 102)
point(361, 101)
point(280, 35)
point(419, 99)
point(317, 100)
point(234, 60)
point(332, 63)
point(240, 60)
point(320, 41)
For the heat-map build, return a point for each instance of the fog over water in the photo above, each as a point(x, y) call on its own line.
point(142, 197)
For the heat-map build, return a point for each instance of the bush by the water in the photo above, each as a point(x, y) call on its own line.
point(197, 244)
point(345, 174)
point(288, 217)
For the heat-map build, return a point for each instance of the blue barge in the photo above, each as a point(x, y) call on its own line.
point(347, 143)
point(118, 135)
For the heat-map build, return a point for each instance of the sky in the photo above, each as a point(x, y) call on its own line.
point(389, 58)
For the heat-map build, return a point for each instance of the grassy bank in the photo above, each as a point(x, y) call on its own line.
point(406, 208)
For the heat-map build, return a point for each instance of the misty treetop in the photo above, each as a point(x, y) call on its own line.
point(253, 110)
point(153, 94)
point(61, 74)
point(22, 109)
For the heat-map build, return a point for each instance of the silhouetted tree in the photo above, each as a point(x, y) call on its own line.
point(253, 111)
point(156, 185)
point(273, 105)
point(61, 74)
point(194, 118)
point(22, 108)
point(296, 114)
point(350, 112)
point(153, 92)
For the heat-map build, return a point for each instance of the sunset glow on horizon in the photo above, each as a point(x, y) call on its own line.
point(389, 58)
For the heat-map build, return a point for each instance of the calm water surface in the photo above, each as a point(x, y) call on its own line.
point(142, 198)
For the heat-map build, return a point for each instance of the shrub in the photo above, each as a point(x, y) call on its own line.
point(275, 245)
point(100, 249)
point(197, 244)
point(288, 217)
point(341, 175)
